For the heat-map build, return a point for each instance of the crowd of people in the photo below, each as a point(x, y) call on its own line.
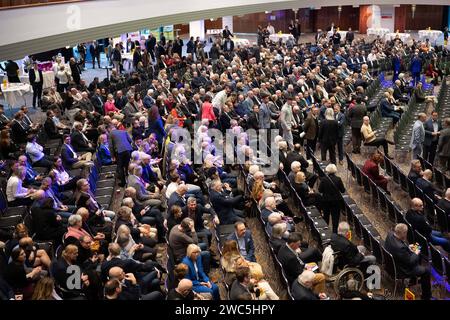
point(131, 120)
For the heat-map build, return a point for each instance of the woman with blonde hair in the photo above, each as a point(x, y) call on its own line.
point(45, 290)
point(257, 278)
point(257, 190)
point(231, 259)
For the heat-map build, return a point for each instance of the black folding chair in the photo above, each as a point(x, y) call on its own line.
point(442, 219)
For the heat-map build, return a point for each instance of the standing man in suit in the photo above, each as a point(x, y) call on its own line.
point(244, 239)
point(328, 132)
point(36, 81)
point(286, 122)
point(340, 118)
point(416, 68)
point(120, 142)
point(444, 146)
point(350, 36)
point(418, 136)
point(311, 129)
point(94, 50)
point(407, 258)
point(433, 129)
point(226, 33)
point(12, 71)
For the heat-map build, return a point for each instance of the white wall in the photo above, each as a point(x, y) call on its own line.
point(387, 17)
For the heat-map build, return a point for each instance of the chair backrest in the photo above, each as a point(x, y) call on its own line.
point(376, 249)
point(439, 177)
point(388, 165)
point(411, 188)
point(396, 174)
point(442, 219)
point(391, 210)
point(366, 238)
point(425, 247)
point(382, 198)
point(403, 181)
point(437, 260)
point(389, 264)
point(366, 183)
point(358, 176)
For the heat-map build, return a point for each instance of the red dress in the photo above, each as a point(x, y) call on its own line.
point(373, 172)
point(208, 112)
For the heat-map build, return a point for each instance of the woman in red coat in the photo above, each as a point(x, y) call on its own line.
point(207, 110)
point(372, 170)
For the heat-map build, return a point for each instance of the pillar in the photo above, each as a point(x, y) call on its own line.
point(227, 21)
point(197, 29)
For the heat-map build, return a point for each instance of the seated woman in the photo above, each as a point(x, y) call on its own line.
point(200, 281)
point(16, 275)
point(370, 138)
point(62, 178)
point(308, 196)
point(434, 72)
point(110, 109)
point(34, 257)
point(131, 249)
point(9, 150)
point(15, 193)
point(103, 152)
point(261, 285)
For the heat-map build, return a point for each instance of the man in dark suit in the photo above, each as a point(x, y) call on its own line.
point(426, 185)
point(293, 264)
point(150, 45)
point(407, 260)
point(177, 198)
point(36, 81)
point(444, 203)
point(398, 95)
point(340, 118)
point(94, 50)
point(244, 239)
point(227, 33)
point(302, 288)
point(240, 287)
point(253, 119)
point(415, 216)
point(79, 140)
point(432, 128)
point(137, 57)
point(120, 101)
point(356, 115)
point(70, 158)
point(120, 143)
point(223, 203)
point(349, 253)
point(4, 120)
point(295, 155)
point(328, 133)
point(311, 129)
point(50, 127)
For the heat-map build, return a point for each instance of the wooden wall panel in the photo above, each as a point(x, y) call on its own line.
point(364, 15)
point(349, 18)
point(249, 23)
point(425, 16)
point(216, 24)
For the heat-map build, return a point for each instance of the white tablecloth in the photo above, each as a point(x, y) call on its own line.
point(433, 35)
point(284, 37)
point(241, 42)
point(49, 79)
point(342, 33)
point(403, 36)
point(378, 31)
point(15, 91)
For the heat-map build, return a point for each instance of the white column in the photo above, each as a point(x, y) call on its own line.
point(228, 21)
point(375, 19)
point(197, 29)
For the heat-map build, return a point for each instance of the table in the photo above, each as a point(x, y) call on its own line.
point(433, 35)
point(342, 33)
point(283, 36)
point(15, 91)
point(403, 36)
point(48, 77)
point(127, 56)
point(241, 42)
point(378, 31)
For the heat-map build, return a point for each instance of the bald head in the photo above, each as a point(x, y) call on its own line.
point(184, 287)
point(115, 273)
point(416, 204)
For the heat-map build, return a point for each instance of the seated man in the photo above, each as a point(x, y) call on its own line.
point(182, 292)
point(143, 196)
point(302, 288)
point(415, 216)
point(349, 253)
point(36, 154)
point(240, 287)
point(444, 203)
point(224, 202)
point(416, 171)
point(275, 218)
point(195, 211)
point(407, 258)
point(388, 110)
point(32, 177)
point(370, 138)
point(244, 239)
point(278, 236)
point(425, 184)
point(293, 259)
point(71, 159)
point(79, 140)
point(372, 170)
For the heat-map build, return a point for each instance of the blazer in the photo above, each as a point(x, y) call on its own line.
point(428, 188)
point(223, 205)
point(78, 142)
point(249, 245)
point(67, 156)
point(104, 155)
point(238, 291)
point(311, 127)
point(340, 118)
point(419, 223)
point(328, 132)
point(264, 116)
point(198, 219)
point(292, 265)
point(405, 260)
point(418, 134)
point(349, 252)
point(277, 244)
point(32, 76)
point(429, 129)
point(331, 188)
point(253, 121)
point(50, 129)
point(176, 200)
point(195, 277)
point(141, 193)
point(299, 292)
point(46, 225)
point(120, 141)
point(444, 143)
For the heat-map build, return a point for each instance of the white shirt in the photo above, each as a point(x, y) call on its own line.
point(62, 177)
point(38, 77)
point(73, 152)
point(219, 100)
point(14, 189)
point(271, 29)
point(171, 188)
point(35, 151)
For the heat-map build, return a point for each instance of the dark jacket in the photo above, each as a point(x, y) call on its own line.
point(292, 265)
point(429, 138)
point(406, 260)
point(419, 223)
point(67, 156)
point(299, 292)
point(328, 132)
point(50, 129)
point(45, 224)
point(78, 142)
point(32, 77)
point(249, 245)
point(238, 291)
point(356, 115)
point(331, 188)
point(223, 205)
point(348, 252)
